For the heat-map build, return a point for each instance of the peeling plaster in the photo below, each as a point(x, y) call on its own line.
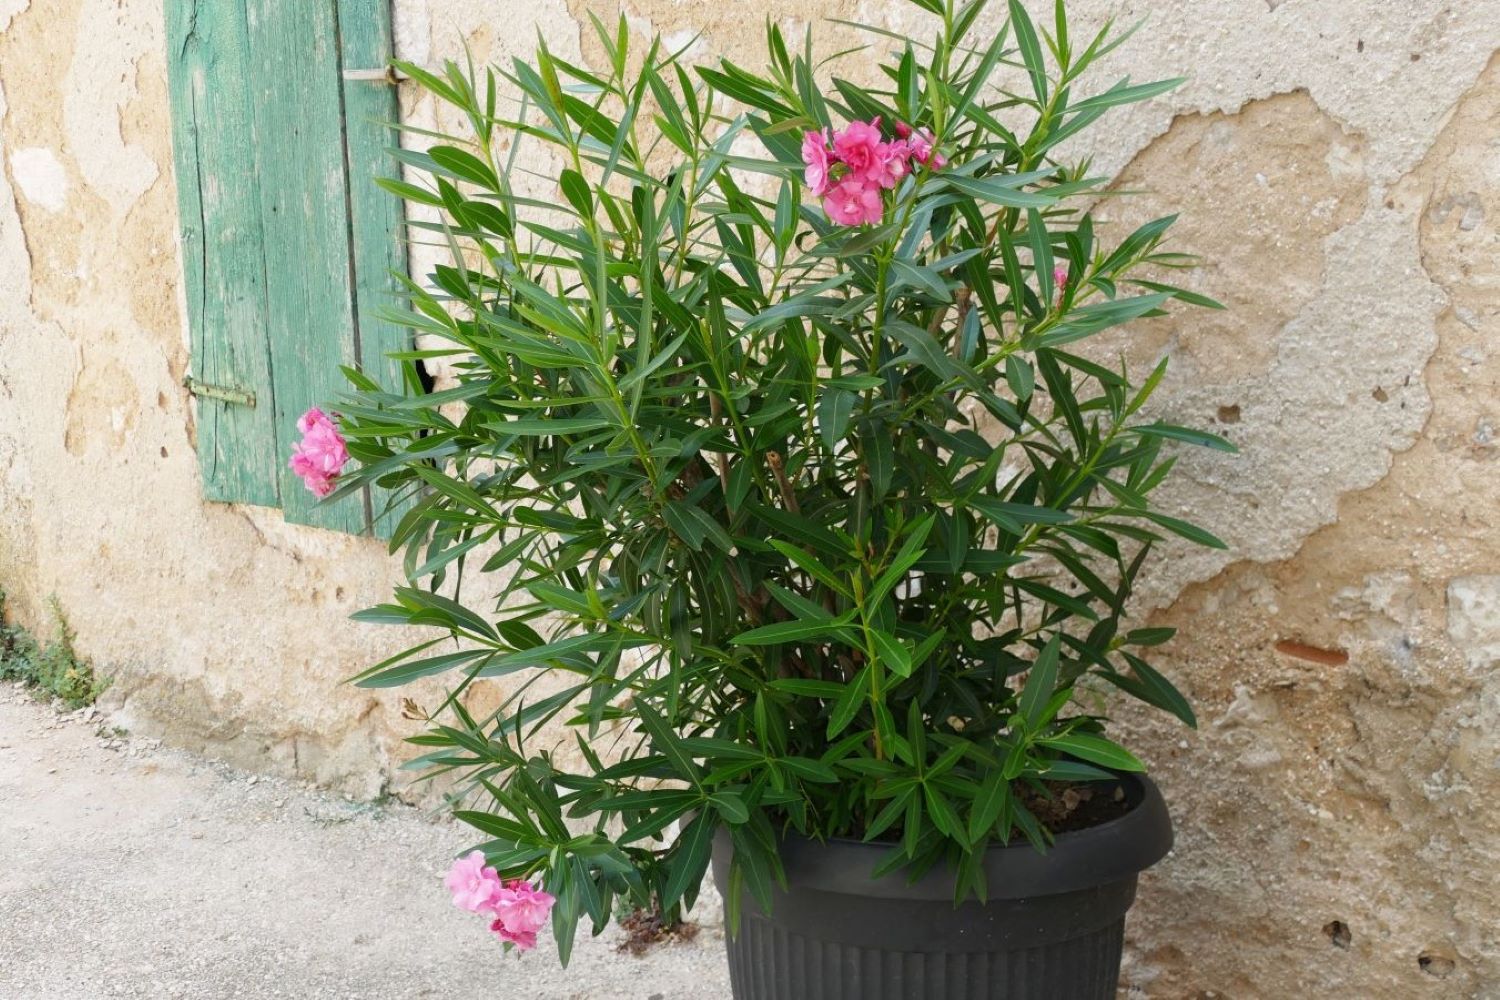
point(99, 83)
point(41, 177)
point(9, 9)
point(15, 262)
point(1474, 619)
point(1311, 429)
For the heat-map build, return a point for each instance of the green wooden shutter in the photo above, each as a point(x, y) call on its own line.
point(288, 245)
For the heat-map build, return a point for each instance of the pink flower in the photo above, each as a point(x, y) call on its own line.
point(524, 941)
point(815, 155)
point(475, 887)
point(854, 201)
point(1060, 282)
point(520, 911)
point(919, 141)
point(320, 456)
point(893, 165)
point(858, 147)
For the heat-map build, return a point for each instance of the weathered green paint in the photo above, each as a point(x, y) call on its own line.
point(288, 245)
point(222, 247)
point(304, 211)
point(376, 220)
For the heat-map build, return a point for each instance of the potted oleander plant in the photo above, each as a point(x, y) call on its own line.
point(772, 479)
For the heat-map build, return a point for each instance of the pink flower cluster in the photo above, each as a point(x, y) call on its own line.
point(850, 169)
point(519, 908)
point(320, 456)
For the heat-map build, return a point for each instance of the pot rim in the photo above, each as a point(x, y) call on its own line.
point(1095, 856)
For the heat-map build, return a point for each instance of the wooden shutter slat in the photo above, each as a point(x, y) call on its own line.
point(305, 218)
point(222, 248)
point(371, 107)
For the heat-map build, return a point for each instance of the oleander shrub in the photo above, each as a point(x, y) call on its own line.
point(774, 429)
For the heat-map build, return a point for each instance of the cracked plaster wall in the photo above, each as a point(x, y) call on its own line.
point(1337, 164)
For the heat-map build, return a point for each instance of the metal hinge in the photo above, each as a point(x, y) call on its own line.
point(223, 393)
point(389, 74)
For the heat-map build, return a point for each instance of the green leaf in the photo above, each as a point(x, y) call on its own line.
point(1020, 376)
point(496, 826)
point(1148, 636)
point(926, 350)
point(988, 804)
point(383, 614)
point(834, 410)
point(1041, 255)
point(689, 858)
point(683, 524)
point(801, 530)
point(485, 217)
point(794, 602)
point(1011, 515)
point(920, 277)
point(1031, 49)
point(1124, 93)
point(405, 673)
point(1084, 322)
point(730, 806)
point(942, 813)
point(849, 702)
point(1040, 683)
point(879, 454)
point(560, 598)
point(463, 164)
point(797, 630)
point(1155, 689)
point(1095, 750)
point(568, 651)
point(811, 566)
point(740, 88)
point(757, 861)
point(808, 688)
point(408, 192)
point(576, 190)
point(891, 812)
point(891, 653)
point(666, 740)
point(1187, 434)
point(906, 557)
point(809, 770)
point(1072, 770)
point(717, 749)
point(550, 426)
point(453, 614)
point(1180, 294)
point(1191, 532)
point(997, 192)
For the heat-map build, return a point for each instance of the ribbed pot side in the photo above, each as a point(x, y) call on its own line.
point(1051, 929)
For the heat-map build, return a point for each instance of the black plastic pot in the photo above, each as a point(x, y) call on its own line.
point(1052, 927)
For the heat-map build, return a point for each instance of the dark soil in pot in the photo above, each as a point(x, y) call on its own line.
point(1052, 928)
point(1065, 807)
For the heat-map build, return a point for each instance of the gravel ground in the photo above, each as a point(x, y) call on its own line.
point(128, 870)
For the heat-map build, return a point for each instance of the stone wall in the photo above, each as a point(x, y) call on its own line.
point(1338, 165)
